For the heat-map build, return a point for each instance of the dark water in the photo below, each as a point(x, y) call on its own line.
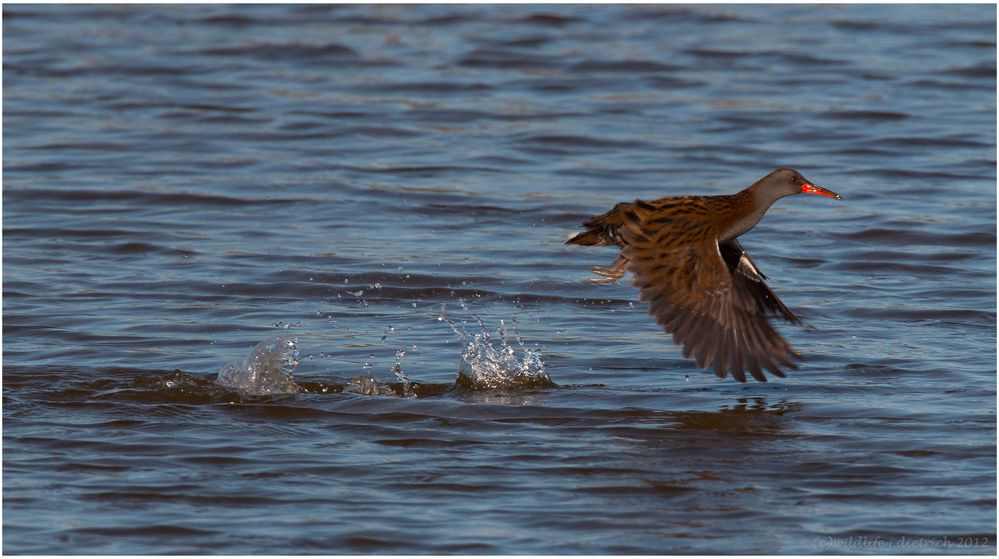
point(181, 183)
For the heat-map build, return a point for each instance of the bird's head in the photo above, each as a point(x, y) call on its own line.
point(787, 182)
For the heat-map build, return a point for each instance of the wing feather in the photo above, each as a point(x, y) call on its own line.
point(710, 296)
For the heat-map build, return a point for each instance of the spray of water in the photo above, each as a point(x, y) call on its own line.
point(266, 370)
point(489, 362)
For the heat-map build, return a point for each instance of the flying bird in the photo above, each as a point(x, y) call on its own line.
point(700, 284)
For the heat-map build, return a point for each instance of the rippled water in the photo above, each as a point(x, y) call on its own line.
point(183, 183)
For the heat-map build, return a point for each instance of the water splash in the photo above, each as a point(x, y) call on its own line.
point(489, 362)
point(401, 374)
point(266, 370)
point(368, 385)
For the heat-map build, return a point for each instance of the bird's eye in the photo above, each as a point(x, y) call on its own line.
point(795, 179)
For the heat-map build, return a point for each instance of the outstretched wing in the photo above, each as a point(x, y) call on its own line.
point(715, 307)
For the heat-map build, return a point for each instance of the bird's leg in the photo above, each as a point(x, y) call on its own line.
point(610, 273)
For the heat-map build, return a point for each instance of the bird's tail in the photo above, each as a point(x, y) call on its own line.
point(601, 230)
point(590, 237)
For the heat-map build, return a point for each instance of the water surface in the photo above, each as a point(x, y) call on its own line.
point(181, 183)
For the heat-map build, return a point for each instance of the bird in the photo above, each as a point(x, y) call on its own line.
point(700, 284)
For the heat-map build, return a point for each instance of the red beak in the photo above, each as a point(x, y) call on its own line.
point(809, 188)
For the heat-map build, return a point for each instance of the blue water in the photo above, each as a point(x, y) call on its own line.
point(182, 183)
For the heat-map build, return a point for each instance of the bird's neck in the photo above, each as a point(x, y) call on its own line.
point(747, 208)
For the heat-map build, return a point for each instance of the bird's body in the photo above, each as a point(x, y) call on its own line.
point(700, 284)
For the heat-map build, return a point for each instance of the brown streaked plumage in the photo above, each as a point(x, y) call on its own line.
point(700, 284)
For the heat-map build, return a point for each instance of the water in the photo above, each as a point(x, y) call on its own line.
point(183, 183)
point(268, 369)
